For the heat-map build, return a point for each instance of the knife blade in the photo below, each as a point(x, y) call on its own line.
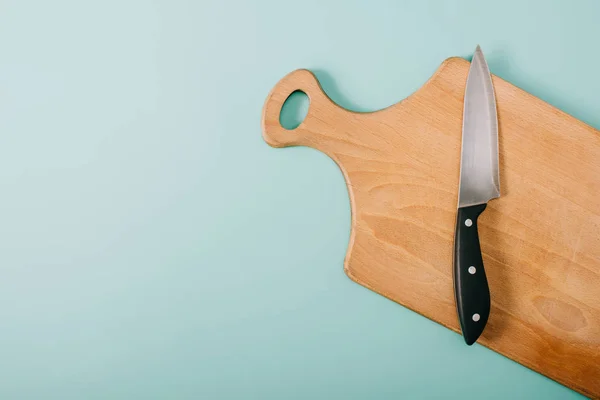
point(479, 183)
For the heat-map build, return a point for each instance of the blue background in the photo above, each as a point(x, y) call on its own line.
point(153, 246)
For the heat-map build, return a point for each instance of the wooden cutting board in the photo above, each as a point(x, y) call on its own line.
point(540, 240)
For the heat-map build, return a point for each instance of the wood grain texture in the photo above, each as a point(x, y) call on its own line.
point(540, 240)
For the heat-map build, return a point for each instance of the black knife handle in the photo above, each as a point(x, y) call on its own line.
point(470, 283)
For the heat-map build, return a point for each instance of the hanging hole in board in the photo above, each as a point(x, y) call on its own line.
point(294, 110)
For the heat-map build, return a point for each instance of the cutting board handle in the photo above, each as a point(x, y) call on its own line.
point(307, 133)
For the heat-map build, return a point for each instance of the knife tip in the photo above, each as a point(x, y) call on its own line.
point(478, 56)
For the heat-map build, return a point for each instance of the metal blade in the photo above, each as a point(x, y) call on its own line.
point(479, 172)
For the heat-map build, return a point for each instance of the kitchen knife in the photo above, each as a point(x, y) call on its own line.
point(479, 183)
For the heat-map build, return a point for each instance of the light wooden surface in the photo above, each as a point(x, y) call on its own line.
point(540, 240)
